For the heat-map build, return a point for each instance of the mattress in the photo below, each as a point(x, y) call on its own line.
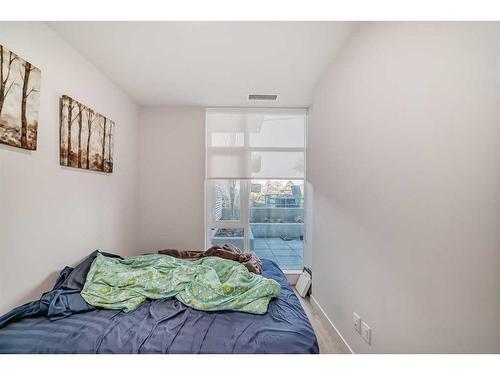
point(168, 326)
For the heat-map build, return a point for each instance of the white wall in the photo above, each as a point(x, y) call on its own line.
point(52, 216)
point(404, 156)
point(172, 175)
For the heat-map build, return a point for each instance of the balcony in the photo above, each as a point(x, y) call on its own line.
point(276, 233)
point(274, 216)
point(288, 254)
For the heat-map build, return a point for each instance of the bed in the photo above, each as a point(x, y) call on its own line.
point(168, 326)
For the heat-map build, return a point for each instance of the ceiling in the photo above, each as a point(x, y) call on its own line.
point(209, 63)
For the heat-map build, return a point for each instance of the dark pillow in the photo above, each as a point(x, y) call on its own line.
point(63, 275)
point(76, 279)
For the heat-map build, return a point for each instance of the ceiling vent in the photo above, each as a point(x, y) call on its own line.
point(263, 97)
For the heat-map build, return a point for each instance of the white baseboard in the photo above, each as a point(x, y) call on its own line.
point(327, 320)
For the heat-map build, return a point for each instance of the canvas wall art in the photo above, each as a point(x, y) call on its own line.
point(86, 137)
point(19, 100)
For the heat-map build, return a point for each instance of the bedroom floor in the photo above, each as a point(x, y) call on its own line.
point(327, 337)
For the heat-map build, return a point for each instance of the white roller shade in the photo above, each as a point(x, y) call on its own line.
point(255, 143)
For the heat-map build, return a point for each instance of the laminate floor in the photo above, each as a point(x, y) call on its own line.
point(329, 342)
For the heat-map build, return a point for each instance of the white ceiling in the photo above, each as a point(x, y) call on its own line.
point(209, 63)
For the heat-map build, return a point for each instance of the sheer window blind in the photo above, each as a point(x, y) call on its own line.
point(250, 143)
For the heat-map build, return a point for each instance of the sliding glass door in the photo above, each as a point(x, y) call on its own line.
point(255, 182)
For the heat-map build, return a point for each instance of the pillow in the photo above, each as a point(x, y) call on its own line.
point(76, 279)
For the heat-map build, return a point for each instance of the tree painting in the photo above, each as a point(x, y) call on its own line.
point(86, 137)
point(19, 100)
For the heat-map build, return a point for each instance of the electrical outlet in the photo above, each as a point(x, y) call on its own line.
point(356, 322)
point(366, 333)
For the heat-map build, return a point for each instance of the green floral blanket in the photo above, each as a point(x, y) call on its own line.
point(209, 284)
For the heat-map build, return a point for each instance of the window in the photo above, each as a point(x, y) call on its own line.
point(255, 182)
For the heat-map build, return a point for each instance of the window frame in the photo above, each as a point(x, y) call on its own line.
point(245, 153)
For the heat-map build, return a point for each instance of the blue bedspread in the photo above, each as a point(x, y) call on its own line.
point(168, 326)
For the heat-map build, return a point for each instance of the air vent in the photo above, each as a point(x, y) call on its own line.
point(263, 97)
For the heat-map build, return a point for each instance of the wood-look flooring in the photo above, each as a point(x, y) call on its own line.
point(329, 342)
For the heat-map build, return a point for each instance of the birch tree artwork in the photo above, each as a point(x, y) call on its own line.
point(19, 100)
point(86, 137)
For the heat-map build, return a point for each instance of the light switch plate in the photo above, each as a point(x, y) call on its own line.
point(356, 322)
point(366, 333)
